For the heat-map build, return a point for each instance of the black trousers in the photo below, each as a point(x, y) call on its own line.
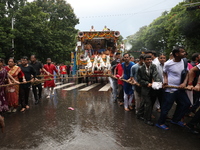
point(23, 96)
point(157, 94)
point(34, 89)
point(194, 120)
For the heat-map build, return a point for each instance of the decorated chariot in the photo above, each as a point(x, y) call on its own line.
point(94, 53)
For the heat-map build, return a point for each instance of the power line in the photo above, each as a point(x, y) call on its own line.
point(139, 12)
point(117, 15)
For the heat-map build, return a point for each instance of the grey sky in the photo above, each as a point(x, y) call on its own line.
point(126, 16)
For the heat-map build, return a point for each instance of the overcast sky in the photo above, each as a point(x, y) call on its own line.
point(126, 16)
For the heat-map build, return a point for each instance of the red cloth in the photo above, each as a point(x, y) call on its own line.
point(63, 69)
point(50, 68)
point(119, 71)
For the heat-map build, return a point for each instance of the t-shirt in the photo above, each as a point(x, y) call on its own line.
point(173, 70)
point(37, 66)
point(198, 66)
point(119, 70)
point(155, 61)
point(134, 71)
point(113, 65)
point(63, 69)
point(28, 71)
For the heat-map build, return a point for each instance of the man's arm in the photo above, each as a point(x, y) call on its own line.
point(197, 87)
point(165, 80)
point(191, 77)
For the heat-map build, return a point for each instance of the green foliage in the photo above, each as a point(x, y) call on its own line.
point(177, 27)
point(45, 28)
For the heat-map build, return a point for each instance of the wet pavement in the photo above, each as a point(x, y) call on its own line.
point(96, 123)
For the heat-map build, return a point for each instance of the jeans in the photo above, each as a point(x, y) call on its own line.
point(34, 89)
point(195, 120)
point(183, 104)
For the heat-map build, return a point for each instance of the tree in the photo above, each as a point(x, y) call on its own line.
point(177, 27)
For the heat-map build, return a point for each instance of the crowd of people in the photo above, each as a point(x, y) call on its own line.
point(144, 83)
point(152, 81)
point(17, 78)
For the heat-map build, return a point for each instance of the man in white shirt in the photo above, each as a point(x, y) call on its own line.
point(92, 28)
point(172, 76)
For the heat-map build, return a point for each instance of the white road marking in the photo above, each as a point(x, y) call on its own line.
point(74, 87)
point(105, 88)
point(64, 85)
point(89, 87)
point(58, 83)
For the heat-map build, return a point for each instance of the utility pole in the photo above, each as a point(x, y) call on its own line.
point(13, 44)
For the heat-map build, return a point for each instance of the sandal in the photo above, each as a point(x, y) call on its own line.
point(180, 123)
point(164, 127)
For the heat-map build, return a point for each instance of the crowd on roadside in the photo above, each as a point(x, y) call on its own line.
point(17, 78)
point(151, 81)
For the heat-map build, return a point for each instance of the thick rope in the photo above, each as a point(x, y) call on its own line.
point(100, 75)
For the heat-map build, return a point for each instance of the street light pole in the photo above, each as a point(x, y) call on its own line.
point(13, 43)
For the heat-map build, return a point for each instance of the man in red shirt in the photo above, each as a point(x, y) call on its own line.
point(63, 72)
point(49, 67)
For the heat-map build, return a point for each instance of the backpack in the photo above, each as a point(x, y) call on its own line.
point(184, 71)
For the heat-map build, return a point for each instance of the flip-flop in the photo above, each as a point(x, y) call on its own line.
point(180, 123)
point(164, 127)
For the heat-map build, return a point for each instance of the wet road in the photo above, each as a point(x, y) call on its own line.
point(96, 123)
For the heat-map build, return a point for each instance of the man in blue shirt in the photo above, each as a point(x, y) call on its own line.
point(136, 89)
point(128, 91)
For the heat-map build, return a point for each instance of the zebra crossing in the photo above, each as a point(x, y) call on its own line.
point(82, 87)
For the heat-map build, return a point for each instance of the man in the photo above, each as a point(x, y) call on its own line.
point(38, 68)
point(191, 125)
point(175, 74)
point(136, 88)
point(132, 58)
point(105, 28)
point(158, 94)
point(195, 59)
point(147, 74)
point(24, 89)
point(63, 72)
point(128, 91)
point(118, 73)
point(92, 28)
point(113, 82)
point(49, 67)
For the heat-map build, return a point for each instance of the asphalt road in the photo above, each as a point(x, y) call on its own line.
point(96, 123)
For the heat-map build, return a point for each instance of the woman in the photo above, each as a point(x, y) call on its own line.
point(3, 80)
point(12, 92)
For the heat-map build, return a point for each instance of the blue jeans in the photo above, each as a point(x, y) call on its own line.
point(183, 104)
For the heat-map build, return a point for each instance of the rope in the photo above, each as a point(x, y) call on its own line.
point(100, 75)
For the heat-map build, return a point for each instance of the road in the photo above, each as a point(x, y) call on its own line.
point(96, 123)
